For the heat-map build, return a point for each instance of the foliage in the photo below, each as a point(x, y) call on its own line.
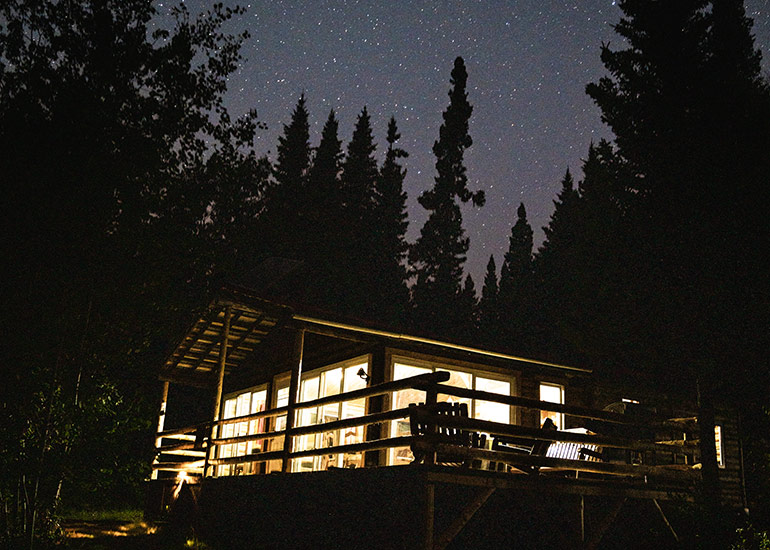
point(389, 223)
point(749, 538)
point(109, 131)
point(489, 306)
point(439, 253)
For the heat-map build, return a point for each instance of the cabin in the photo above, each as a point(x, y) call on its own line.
point(294, 428)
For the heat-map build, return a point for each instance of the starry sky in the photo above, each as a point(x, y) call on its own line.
point(528, 62)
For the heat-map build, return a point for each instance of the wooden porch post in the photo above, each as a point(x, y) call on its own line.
point(375, 404)
point(220, 384)
point(161, 422)
point(430, 497)
point(296, 375)
point(431, 397)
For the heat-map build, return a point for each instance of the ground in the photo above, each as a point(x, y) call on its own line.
point(121, 534)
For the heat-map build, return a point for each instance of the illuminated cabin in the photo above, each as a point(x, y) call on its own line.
point(378, 439)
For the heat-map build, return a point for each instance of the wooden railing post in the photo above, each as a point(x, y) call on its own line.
point(431, 398)
point(294, 386)
point(372, 459)
point(161, 423)
point(218, 391)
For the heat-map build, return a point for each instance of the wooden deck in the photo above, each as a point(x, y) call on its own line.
point(428, 507)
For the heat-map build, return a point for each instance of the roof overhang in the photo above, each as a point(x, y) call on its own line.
point(342, 329)
point(195, 360)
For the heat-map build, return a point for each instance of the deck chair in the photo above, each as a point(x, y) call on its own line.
point(538, 447)
point(420, 426)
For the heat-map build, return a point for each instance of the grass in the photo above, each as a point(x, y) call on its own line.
point(121, 514)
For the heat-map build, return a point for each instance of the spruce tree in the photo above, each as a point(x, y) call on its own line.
point(468, 305)
point(294, 149)
point(439, 253)
point(359, 176)
point(324, 236)
point(389, 224)
point(515, 284)
point(286, 204)
point(517, 267)
point(688, 106)
point(561, 227)
point(489, 308)
point(553, 267)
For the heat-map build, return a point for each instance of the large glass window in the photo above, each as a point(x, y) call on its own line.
point(242, 404)
point(281, 399)
point(719, 446)
point(323, 383)
point(552, 393)
point(459, 378)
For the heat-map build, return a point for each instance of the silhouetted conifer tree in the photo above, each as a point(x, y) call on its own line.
point(489, 307)
point(287, 207)
point(389, 224)
point(359, 176)
point(468, 305)
point(515, 284)
point(323, 234)
point(683, 99)
point(439, 253)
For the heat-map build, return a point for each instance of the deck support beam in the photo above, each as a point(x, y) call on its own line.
point(608, 519)
point(219, 387)
point(462, 520)
point(665, 519)
point(294, 386)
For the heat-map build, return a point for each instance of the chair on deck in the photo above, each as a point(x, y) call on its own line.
point(422, 426)
point(539, 447)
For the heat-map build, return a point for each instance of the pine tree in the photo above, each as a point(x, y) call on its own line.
point(468, 304)
point(286, 204)
point(439, 253)
point(359, 176)
point(390, 223)
point(324, 237)
point(489, 308)
point(517, 267)
point(515, 285)
point(684, 100)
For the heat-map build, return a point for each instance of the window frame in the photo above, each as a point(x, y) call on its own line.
point(435, 363)
point(317, 461)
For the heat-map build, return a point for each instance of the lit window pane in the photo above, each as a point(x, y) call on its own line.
point(457, 379)
point(552, 393)
point(719, 446)
point(489, 410)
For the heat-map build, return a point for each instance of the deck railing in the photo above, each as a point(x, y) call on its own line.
point(669, 453)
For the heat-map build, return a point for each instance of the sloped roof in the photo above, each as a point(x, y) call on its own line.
point(195, 360)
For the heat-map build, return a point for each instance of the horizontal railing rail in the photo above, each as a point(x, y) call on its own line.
point(194, 440)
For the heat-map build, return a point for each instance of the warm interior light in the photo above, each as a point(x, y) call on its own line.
point(181, 477)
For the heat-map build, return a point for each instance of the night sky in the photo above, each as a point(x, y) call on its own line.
point(528, 63)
